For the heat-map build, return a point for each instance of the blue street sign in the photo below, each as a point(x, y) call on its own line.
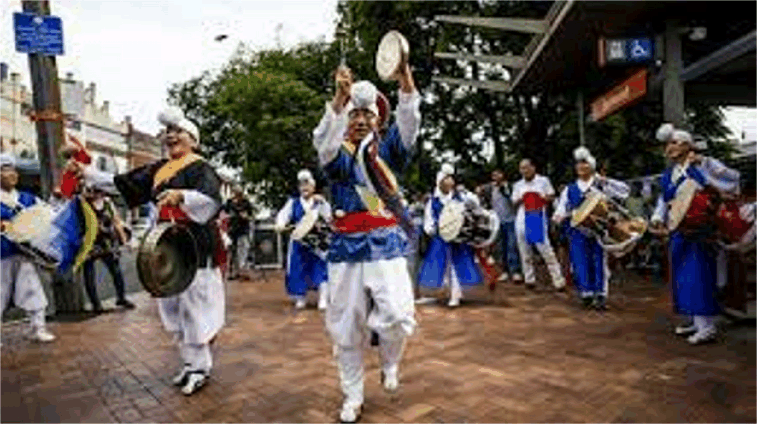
point(629, 50)
point(38, 34)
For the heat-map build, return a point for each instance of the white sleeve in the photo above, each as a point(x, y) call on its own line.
point(547, 187)
point(720, 176)
point(517, 193)
point(408, 117)
point(615, 188)
point(562, 205)
point(282, 218)
point(100, 180)
point(429, 226)
point(199, 207)
point(329, 134)
point(660, 210)
point(325, 211)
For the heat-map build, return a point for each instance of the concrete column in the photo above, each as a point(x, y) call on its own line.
point(672, 86)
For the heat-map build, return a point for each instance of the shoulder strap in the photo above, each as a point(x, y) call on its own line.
point(173, 166)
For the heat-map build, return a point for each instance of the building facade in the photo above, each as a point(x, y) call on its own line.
point(18, 133)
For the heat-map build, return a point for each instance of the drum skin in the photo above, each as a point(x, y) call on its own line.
point(167, 260)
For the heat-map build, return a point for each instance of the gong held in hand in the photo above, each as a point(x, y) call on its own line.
point(392, 55)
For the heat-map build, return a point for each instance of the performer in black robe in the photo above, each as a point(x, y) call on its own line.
point(185, 188)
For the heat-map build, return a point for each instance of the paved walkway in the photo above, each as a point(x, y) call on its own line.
point(524, 356)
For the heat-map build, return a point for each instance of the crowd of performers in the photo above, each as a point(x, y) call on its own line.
point(364, 280)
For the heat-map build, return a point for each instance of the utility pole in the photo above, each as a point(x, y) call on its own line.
point(46, 95)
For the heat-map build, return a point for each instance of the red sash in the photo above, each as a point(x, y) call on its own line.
point(362, 222)
point(533, 201)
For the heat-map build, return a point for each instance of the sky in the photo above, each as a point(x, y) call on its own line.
point(134, 50)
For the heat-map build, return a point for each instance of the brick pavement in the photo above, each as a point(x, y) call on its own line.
point(521, 356)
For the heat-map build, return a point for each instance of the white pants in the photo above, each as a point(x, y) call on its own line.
point(450, 279)
point(196, 357)
point(527, 259)
point(243, 250)
point(19, 278)
point(199, 311)
point(348, 318)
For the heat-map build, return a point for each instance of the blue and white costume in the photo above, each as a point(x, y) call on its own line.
point(18, 273)
point(367, 257)
point(693, 260)
point(447, 264)
point(587, 257)
point(306, 270)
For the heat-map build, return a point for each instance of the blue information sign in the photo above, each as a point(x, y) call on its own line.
point(38, 34)
point(629, 50)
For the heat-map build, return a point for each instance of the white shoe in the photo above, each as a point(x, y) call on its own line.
point(300, 304)
point(181, 377)
point(686, 329)
point(453, 303)
point(322, 304)
point(503, 277)
point(517, 278)
point(389, 379)
point(702, 336)
point(350, 412)
point(195, 380)
point(42, 335)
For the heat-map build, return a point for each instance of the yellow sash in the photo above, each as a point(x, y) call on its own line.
point(371, 202)
point(172, 167)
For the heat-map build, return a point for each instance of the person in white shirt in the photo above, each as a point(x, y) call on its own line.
point(588, 259)
point(531, 195)
point(306, 269)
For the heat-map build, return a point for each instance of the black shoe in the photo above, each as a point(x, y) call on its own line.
point(531, 286)
point(98, 309)
point(125, 303)
point(374, 338)
point(600, 303)
point(587, 302)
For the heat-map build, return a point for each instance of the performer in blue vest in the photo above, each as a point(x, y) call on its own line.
point(587, 257)
point(306, 270)
point(370, 289)
point(19, 275)
point(447, 264)
point(692, 255)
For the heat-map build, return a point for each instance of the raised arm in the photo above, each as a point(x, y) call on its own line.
point(329, 134)
point(720, 176)
point(615, 188)
point(408, 116)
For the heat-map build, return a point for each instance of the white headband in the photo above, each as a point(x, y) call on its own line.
point(7, 160)
point(305, 176)
point(363, 96)
point(583, 154)
point(175, 116)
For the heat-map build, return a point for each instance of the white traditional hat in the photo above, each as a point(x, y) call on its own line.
point(665, 132)
point(7, 160)
point(175, 116)
point(305, 176)
point(583, 154)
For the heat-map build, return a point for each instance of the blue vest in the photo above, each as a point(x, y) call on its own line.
point(669, 186)
point(7, 247)
point(297, 210)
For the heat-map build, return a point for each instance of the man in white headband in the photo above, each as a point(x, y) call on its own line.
point(367, 257)
point(587, 257)
point(19, 275)
point(186, 189)
point(683, 206)
point(306, 269)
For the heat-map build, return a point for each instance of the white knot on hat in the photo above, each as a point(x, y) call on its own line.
point(583, 154)
point(305, 176)
point(7, 160)
point(173, 115)
point(665, 132)
point(363, 96)
point(445, 171)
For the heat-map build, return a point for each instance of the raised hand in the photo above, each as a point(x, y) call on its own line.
point(343, 80)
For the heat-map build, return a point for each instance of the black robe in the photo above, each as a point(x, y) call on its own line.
point(136, 187)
